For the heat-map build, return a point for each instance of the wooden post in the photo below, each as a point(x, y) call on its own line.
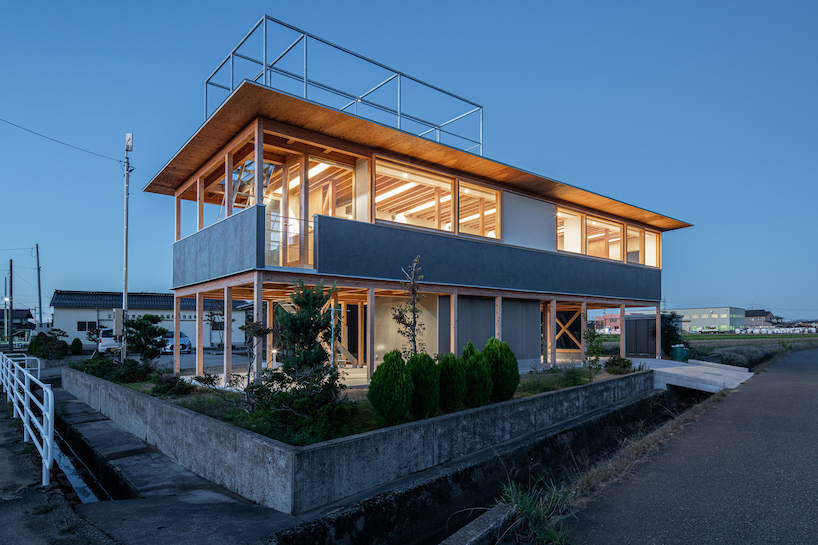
point(552, 331)
point(583, 315)
point(178, 219)
point(228, 334)
point(177, 310)
point(200, 191)
point(370, 345)
point(259, 158)
point(258, 303)
point(544, 325)
point(622, 330)
point(344, 332)
point(228, 185)
point(304, 206)
point(498, 317)
point(455, 346)
point(270, 317)
point(361, 350)
point(199, 334)
point(658, 333)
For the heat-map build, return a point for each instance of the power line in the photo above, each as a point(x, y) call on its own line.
point(13, 249)
point(59, 141)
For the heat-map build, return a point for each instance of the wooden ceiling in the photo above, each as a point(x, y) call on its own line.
point(251, 100)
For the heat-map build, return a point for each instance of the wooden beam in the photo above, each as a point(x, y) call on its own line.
point(200, 198)
point(583, 326)
point(270, 318)
point(454, 346)
point(235, 143)
point(178, 219)
point(658, 333)
point(370, 344)
point(228, 185)
point(498, 318)
point(258, 157)
point(552, 331)
point(622, 330)
point(295, 134)
point(227, 331)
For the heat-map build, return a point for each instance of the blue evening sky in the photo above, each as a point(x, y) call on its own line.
point(703, 111)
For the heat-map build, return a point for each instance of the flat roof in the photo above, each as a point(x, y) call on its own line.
point(251, 100)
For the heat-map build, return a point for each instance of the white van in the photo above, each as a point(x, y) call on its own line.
point(107, 342)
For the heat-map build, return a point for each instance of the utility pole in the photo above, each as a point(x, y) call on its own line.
point(128, 147)
point(6, 309)
point(10, 313)
point(39, 288)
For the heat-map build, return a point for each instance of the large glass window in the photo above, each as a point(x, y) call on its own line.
point(569, 231)
point(478, 209)
point(634, 248)
point(409, 195)
point(330, 189)
point(651, 249)
point(603, 238)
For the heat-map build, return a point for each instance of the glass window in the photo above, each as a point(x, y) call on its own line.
point(634, 251)
point(651, 249)
point(478, 210)
point(724, 316)
point(695, 316)
point(92, 326)
point(603, 238)
point(409, 195)
point(330, 189)
point(569, 231)
point(81, 326)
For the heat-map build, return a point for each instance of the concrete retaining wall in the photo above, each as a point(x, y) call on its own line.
point(297, 479)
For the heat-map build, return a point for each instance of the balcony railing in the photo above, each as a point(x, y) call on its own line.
point(288, 242)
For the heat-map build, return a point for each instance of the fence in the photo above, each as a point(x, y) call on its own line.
point(37, 416)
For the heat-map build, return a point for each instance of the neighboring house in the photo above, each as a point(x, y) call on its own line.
point(607, 323)
point(21, 319)
point(711, 319)
point(761, 318)
point(314, 193)
point(78, 312)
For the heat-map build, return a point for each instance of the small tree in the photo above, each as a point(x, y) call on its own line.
point(254, 334)
point(217, 323)
point(407, 315)
point(426, 379)
point(452, 383)
point(145, 337)
point(391, 389)
point(478, 377)
point(505, 374)
point(671, 327)
point(593, 350)
point(51, 346)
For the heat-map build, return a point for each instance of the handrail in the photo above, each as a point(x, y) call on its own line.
point(24, 360)
point(16, 382)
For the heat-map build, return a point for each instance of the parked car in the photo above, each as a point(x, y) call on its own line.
point(184, 343)
point(107, 342)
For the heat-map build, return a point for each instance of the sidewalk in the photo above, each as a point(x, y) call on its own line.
point(746, 473)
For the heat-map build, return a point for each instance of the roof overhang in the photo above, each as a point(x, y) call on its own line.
point(251, 100)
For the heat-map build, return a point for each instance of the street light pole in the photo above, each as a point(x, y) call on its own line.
point(128, 147)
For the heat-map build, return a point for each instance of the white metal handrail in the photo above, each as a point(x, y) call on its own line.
point(29, 363)
point(16, 381)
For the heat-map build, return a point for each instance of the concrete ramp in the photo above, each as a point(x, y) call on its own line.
point(697, 375)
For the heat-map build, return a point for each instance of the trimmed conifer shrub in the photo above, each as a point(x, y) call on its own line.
point(391, 388)
point(452, 384)
point(505, 375)
point(478, 377)
point(76, 347)
point(426, 379)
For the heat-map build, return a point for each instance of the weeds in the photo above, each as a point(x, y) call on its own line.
point(47, 507)
point(27, 449)
point(538, 510)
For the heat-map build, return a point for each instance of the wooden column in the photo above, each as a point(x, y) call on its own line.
point(545, 342)
point(228, 334)
point(258, 310)
point(454, 346)
point(178, 219)
point(200, 191)
point(498, 317)
point(199, 334)
point(622, 330)
point(344, 332)
point(370, 345)
point(259, 158)
point(658, 333)
point(228, 185)
point(270, 311)
point(552, 331)
point(361, 349)
point(177, 311)
point(304, 207)
point(584, 317)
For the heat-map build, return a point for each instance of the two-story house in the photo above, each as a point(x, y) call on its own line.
point(286, 189)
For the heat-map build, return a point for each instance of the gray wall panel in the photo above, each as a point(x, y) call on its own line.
point(444, 312)
point(475, 321)
point(522, 327)
point(379, 251)
point(528, 222)
point(229, 246)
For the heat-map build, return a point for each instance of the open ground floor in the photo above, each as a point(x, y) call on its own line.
point(539, 327)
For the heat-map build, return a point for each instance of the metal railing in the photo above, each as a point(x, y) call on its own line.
point(288, 242)
point(29, 363)
point(264, 70)
point(38, 425)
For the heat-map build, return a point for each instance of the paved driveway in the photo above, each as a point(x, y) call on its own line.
point(747, 472)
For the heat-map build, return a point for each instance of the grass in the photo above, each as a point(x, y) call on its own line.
point(27, 449)
point(540, 509)
point(43, 509)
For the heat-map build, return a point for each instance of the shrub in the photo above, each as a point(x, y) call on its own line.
point(426, 380)
point(572, 376)
point(505, 375)
point(452, 384)
point(76, 347)
point(34, 345)
point(391, 388)
point(617, 365)
point(478, 377)
point(170, 384)
point(108, 369)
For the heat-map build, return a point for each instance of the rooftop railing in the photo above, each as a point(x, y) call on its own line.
point(315, 69)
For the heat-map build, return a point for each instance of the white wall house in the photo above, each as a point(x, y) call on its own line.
point(78, 312)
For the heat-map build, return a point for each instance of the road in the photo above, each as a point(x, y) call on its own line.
point(746, 473)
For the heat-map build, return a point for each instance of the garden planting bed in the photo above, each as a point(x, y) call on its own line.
point(295, 479)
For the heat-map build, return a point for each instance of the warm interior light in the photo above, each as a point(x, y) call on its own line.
point(476, 216)
point(405, 175)
point(295, 182)
point(429, 204)
point(596, 235)
point(396, 191)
